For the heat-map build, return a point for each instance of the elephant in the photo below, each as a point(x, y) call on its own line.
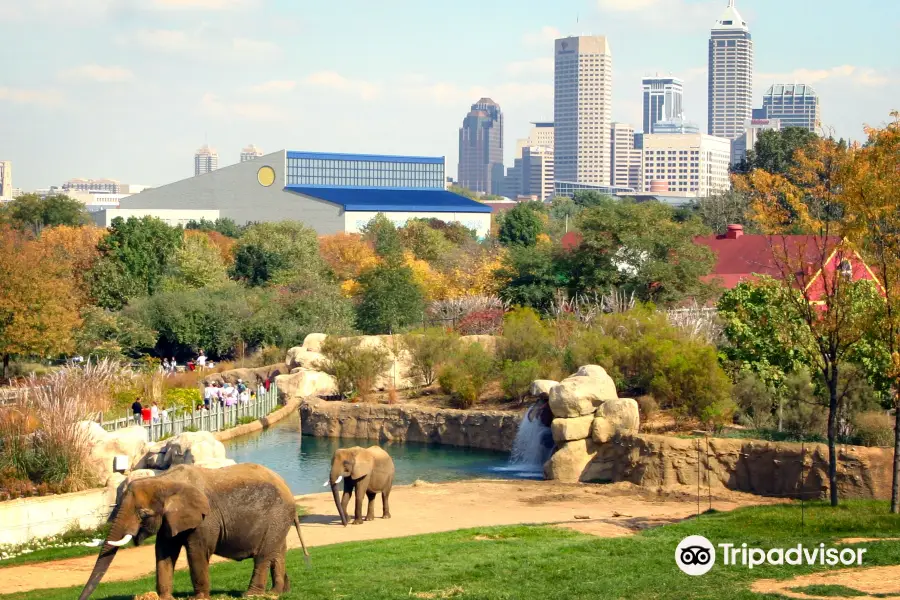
point(242, 511)
point(369, 471)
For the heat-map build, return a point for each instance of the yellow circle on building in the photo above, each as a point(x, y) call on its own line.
point(266, 176)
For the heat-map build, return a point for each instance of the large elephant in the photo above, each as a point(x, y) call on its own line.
point(368, 471)
point(242, 511)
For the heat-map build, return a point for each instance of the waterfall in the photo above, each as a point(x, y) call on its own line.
point(534, 442)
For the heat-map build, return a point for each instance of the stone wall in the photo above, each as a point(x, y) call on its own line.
point(490, 430)
point(28, 518)
point(765, 468)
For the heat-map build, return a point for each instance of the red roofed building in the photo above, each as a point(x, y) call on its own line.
point(741, 257)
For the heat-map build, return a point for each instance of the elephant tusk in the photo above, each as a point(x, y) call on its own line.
point(94, 543)
point(121, 542)
point(339, 479)
point(326, 484)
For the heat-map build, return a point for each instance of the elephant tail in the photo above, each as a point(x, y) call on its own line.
point(302, 543)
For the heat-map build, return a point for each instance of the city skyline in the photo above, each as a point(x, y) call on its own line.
point(158, 96)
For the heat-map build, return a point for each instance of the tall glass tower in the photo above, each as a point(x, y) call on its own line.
point(663, 100)
point(730, 75)
point(795, 105)
point(481, 148)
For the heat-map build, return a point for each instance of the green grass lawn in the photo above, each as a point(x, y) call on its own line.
point(548, 563)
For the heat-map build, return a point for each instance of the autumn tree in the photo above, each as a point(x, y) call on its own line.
point(871, 196)
point(32, 213)
point(774, 150)
point(76, 249)
point(382, 233)
point(277, 253)
point(195, 264)
point(37, 315)
point(828, 312)
point(347, 255)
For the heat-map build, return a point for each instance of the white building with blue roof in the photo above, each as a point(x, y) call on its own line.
point(329, 192)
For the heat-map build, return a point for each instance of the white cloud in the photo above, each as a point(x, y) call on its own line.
point(199, 46)
point(859, 75)
point(97, 73)
point(273, 87)
point(668, 14)
point(46, 98)
point(451, 94)
point(198, 4)
point(335, 81)
point(214, 106)
point(163, 40)
point(536, 66)
point(544, 37)
point(253, 48)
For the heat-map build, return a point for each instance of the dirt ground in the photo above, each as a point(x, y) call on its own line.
point(609, 511)
point(874, 582)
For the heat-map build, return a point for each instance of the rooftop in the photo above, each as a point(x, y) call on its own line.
point(790, 89)
point(392, 200)
point(367, 157)
point(731, 19)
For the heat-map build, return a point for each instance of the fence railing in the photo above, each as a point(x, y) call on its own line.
point(217, 418)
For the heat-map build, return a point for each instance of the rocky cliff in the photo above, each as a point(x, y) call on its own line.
point(489, 430)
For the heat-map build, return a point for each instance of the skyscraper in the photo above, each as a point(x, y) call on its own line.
point(663, 100)
point(794, 105)
point(206, 160)
point(730, 75)
point(625, 159)
point(537, 172)
point(250, 152)
point(541, 134)
point(6, 179)
point(481, 148)
point(582, 108)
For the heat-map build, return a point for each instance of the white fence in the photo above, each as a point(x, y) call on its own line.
point(217, 418)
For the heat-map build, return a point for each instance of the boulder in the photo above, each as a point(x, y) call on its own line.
point(142, 474)
point(105, 446)
point(399, 372)
point(602, 430)
point(313, 342)
point(569, 462)
point(305, 383)
point(576, 396)
point(540, 388)
point(577, 428)
point(622, 414)
point(216, 463)
point(606, 387)
point(301, 357)
point(192, 447)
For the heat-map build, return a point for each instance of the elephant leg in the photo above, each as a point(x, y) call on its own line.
point(361, 489)
point(280, 583)
point(198, 561)
point(385, 507)
point(370, 511)
point(166, 557)
point(345, 499)
point(259, 577)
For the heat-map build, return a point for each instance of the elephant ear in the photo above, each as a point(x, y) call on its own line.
point(185, 508)
point(363, 464)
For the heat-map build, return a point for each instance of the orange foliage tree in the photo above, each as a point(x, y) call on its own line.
point(76, 248)
point(349, 256)
point(223, 243)
point(37, 315)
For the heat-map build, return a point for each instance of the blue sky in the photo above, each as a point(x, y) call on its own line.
point(128, 89)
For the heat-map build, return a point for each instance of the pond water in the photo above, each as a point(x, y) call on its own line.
point(305, 461)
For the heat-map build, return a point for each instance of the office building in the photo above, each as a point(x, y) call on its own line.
point(541, 134)
point(6, 187)
point(625, 159)
point(513, 183)
point(693, 165)
point(105, 186)
point(569, 188)
point(250, 152)
point(329, 192)
point(206, 160)
point(663, 100)
point(752, 128)
point(481, 148)
point(582, 109)
point(537, 172)
point(730, 75)
point(794, 105)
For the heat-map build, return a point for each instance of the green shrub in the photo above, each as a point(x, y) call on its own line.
point(191, 429)
point(354, 368)
point(647, 406)
point(874, 428)
point(246, 420)
point(390, 300)
point(517, 377)
point(428, 351)
point(525, 336)
point(754, 398)
point(181, 399)
point(466, 376)
point(804, 416)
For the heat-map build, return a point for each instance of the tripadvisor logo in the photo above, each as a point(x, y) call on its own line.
point(696, 555)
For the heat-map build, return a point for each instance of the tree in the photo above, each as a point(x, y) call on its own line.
point(222, 225)
point(277, 253)
point(196, 264)
point(870, 195)
point(774, 150)
point(590, 198)
point(723, 209)
point(37, 315)
point(347, 254)
point(520, 226)
point(33, 213)
point(108, 334)
point(424, 241)
point(76, 248)
point(530, 276)
point(822, 307)
point(135, 257)
point(640, 248)
point(384, 237)
point(390, 300)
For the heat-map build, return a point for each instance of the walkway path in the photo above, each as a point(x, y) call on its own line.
point(609, 511)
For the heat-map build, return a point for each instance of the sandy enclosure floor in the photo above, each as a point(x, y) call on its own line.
point(609, 511)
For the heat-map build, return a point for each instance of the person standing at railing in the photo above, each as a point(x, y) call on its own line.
point(136, 409)
point(145, 415)
point(154, 413)
point(201, 361)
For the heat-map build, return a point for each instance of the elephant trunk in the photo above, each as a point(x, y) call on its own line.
point(337, 503)
point(107, 553)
